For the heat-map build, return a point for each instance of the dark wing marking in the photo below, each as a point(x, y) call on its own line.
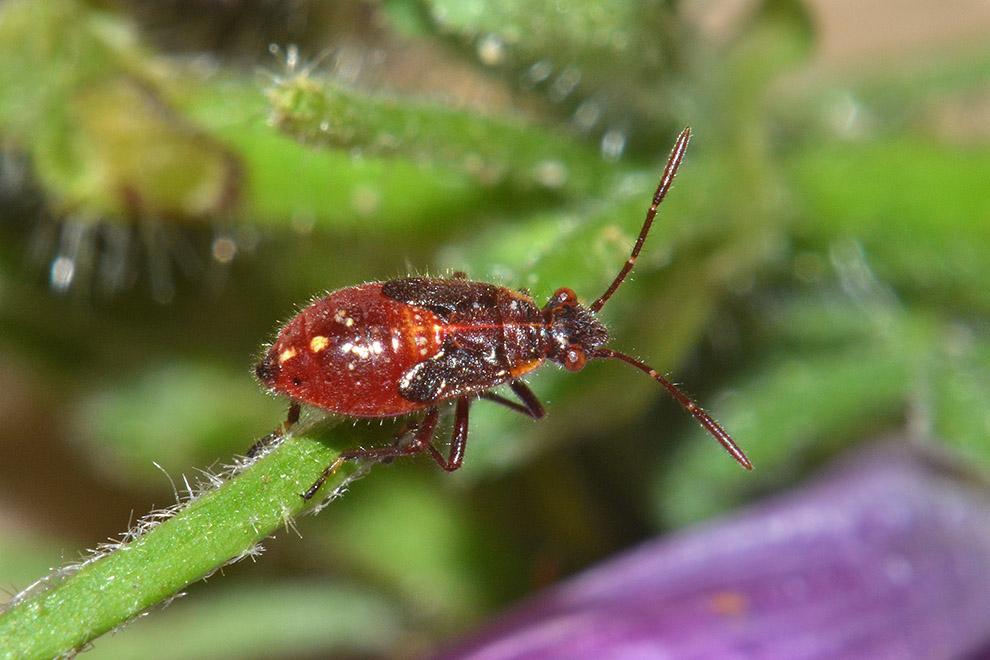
point(453, 372)
point(442, 297)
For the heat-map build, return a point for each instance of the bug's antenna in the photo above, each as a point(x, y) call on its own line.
point(676, 156)
point(686, 402)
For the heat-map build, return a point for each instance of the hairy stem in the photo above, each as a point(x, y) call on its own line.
point(73, 606)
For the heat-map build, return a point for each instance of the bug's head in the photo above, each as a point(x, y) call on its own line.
point(267, 370)
point(575, 333)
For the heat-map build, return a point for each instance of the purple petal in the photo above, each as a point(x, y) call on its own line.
point(887, 557)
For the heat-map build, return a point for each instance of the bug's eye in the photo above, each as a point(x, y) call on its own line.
point(575, 358)
point(565, 296)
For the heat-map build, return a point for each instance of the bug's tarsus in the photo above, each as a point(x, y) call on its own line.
point(686, 402)
point(669, 172)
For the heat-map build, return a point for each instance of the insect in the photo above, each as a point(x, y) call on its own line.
point(392, 348)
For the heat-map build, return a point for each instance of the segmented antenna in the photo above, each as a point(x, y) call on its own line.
point(706, 420)
point(676, 156)
point(686, 402)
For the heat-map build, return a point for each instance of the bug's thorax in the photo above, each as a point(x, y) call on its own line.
point(508, 333)
point(574, 333)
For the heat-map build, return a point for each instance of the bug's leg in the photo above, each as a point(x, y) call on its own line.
point(457, 442)
point(404, 432)
point(293, 415)
point(291, 418)
point(420, 442)
point(530, 404)
point(533, 405)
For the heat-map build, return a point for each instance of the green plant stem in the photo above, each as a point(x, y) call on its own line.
point(221, 525)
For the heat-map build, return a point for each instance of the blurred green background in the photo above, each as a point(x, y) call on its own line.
point(178, 178)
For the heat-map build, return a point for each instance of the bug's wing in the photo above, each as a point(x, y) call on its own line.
point(453, 372)
point(442, 297)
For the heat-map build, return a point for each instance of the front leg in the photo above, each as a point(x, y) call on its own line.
point(530, 406)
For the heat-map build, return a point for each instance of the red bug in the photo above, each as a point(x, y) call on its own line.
point(391, 348)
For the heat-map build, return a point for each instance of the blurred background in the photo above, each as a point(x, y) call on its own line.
point(178, 178)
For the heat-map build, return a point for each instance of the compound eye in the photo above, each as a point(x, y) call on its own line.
point(565, 296)
point(574, 358)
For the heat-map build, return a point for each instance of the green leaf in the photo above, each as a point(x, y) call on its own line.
point(917, 207)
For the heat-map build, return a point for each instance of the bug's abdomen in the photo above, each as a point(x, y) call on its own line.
point(347, 352)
